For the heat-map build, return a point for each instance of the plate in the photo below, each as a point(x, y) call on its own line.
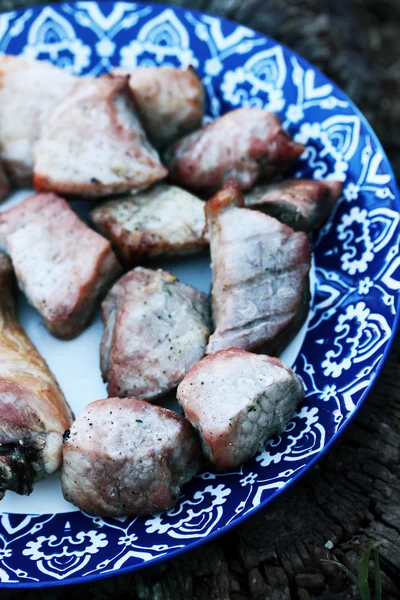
point(356, 282)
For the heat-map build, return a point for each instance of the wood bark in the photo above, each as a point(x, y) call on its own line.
point(351, 499)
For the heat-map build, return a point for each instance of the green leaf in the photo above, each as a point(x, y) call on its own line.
point(349, 574)
point(378, 577)
point(363, 572)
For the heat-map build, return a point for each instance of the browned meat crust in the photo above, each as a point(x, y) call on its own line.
point(303, 204)
point(4, 184)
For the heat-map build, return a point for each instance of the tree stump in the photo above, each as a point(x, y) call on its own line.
point(352, 497)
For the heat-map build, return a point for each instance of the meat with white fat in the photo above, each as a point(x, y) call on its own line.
point(237, 401)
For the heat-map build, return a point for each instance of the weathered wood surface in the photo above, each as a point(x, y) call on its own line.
point(352, 498)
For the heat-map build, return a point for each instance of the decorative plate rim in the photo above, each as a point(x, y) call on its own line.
point(376, 371)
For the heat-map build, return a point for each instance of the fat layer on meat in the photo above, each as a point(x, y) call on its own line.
point(4, 184)
point(162, 220)
point(244, 145)
point(62, 265)
point(94, 144)
point(170, 102)
point(260, 286)
point(156, 329)
point(303, 204)
point(29, 92)
point(237, 401)
point(33, 411)
point(124, 456)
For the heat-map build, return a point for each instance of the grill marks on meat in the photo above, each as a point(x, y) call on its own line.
point(29, 92)
point(237, 401)
point(162, 220)
point(94, 144)
point(244, 145)
point(156, 329)
point(170, 102)
point(33, 411)
point(4, 184)
point(127, 457)
point(62, 265)
point(303, 204)
point(260, 290)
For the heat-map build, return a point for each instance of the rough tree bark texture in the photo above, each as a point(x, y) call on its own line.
point(352, 498)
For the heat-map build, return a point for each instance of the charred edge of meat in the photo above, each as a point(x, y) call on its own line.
point(229, 195)
point(333, 189)
point(8, 289)
point(21, 464)
point(287, 149)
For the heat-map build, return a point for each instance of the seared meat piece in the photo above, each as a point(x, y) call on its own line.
point(245, 145)
point(156, 330)
point(162, 220)
point(29, 92)
point(260, 291)
point(237, 401)
point(62, 265)
point(126, 457)
point(4, 184)
point(170, 102)
point(303, 204)
point(33, 411)
point(93, 144)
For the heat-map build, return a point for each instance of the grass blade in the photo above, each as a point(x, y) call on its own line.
point(378, 577)
point(349, 574)
point(363, 572)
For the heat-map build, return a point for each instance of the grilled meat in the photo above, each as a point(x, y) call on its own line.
point(33, 411)
point(260, 289)
point(237, 401)
point(244, 145)
point(170, 102)
point(124, 456)
point(161, 220)
point(63, 266)
point(156, 329)
point(93, 143)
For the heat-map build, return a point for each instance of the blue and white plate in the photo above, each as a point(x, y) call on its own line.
point(356, 281)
